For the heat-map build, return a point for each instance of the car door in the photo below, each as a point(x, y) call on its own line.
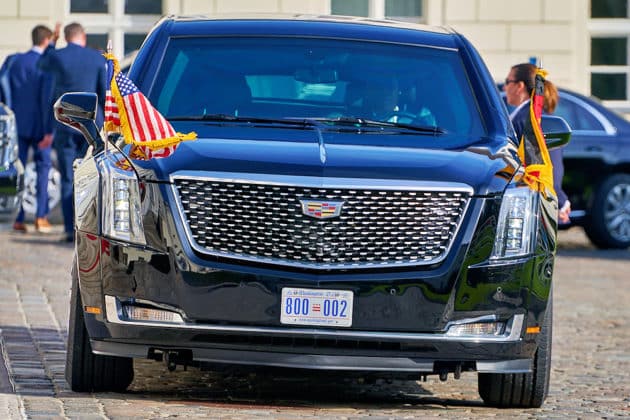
point(593, 136)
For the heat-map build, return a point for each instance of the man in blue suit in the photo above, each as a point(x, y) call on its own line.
point(31, 101)
point(75, 68)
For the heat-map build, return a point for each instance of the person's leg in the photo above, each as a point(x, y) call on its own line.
point(64, 146)
point(43, 165)
point(23, 146)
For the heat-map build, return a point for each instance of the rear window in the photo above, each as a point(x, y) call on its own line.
point(273, 77)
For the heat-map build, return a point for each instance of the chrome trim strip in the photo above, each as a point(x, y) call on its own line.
point(512, 333)
point(315, 182)
point(322, 182)
point(505, 366)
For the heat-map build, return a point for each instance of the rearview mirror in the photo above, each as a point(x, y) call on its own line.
point(78, 110)
point(316, 75)
point(556, 131)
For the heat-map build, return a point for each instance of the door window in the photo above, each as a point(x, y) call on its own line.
point(577, 116)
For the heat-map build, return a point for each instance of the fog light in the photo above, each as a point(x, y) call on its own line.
point(139, 313)
point(476, 329)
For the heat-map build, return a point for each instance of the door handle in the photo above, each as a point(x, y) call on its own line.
point(594, 149)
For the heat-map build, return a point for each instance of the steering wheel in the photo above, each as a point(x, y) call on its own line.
point(402, 117)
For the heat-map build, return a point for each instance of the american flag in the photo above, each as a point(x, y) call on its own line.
point(111, 108)
point(142, 125)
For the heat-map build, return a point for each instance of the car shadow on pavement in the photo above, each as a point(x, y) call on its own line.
point(41, 239)
point(597, 254)
point(282, 388)
point(35, 358)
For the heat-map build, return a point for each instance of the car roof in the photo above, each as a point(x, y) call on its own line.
point(324, 26)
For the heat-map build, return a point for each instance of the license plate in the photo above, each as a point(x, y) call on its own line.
point(331, 308)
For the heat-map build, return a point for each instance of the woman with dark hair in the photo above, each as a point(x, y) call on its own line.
point(518, 89)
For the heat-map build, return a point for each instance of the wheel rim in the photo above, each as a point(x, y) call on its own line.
point(617, 212)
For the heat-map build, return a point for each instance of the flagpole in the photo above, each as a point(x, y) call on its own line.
point(107, 88)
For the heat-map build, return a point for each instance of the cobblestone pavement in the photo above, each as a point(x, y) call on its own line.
point(590, 369)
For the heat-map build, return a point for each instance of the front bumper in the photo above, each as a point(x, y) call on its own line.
point(384, 364)
point(319, 349)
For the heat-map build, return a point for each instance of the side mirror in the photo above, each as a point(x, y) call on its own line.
point(556, 131)
point(78, 110)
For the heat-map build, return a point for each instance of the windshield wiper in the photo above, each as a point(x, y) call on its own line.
point(244, 119)
point(363, 122)
point(321, 122)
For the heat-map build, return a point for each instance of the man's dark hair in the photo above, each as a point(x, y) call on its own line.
point(40, 33)
point(73, 29)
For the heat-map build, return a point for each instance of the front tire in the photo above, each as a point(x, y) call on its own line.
point(525, 390)
point(609, 221)
point(86, 371)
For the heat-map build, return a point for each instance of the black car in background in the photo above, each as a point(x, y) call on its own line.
point(597, 169)
point(11, 170)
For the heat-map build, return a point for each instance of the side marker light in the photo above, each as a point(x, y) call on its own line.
point(93, 310)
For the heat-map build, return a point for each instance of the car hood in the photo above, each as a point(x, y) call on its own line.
point(486, 166)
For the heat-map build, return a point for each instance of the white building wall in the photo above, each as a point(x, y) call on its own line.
point(505, 32)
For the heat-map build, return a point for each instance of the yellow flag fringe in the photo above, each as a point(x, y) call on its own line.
point(124, 128)
point(539, 176)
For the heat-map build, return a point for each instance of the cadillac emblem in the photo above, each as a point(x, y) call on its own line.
point(320, 209)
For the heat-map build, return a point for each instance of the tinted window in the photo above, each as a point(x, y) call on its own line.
point(609, 51)
point(315, 78)
point(139, 7)
point(88, 6)
point(133, 42)
point(577, 116)
point(349, 7)
point(403, 9)
point(609, 8)
point(97, 41)
point(609, 85)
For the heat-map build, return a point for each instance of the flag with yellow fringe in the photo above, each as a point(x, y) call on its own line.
point(130, 113)
point(533, 148)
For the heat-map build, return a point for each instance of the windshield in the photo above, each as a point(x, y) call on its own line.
point(324, 79)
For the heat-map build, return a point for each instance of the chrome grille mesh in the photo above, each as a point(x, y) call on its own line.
point(265, 222)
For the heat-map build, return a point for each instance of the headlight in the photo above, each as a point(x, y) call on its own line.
point(516, 228)
point(121, 214)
